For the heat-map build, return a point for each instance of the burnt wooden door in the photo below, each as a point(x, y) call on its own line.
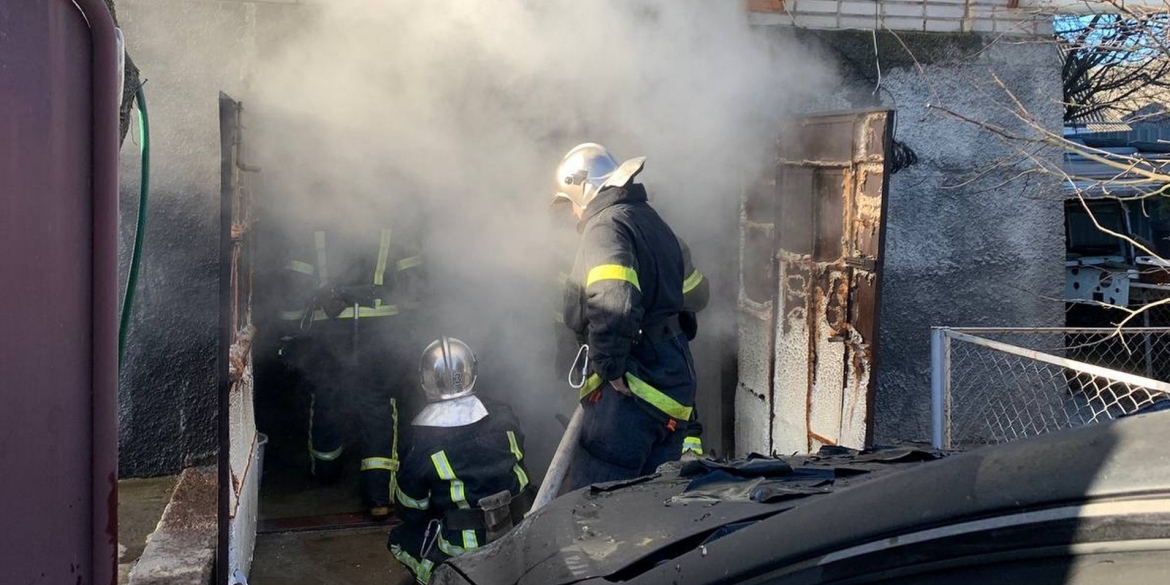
point(811, 252)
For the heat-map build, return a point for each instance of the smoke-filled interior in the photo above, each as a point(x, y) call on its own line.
point(448, 117)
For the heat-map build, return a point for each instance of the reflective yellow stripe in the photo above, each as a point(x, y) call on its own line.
point(469, 540)
point(443, 467)
point(385, 463)
point(320, 455)
point(657, 399)
point(409, 262)
point(347, 313)
point(326, 455)
point(694, 444)
point(383, 254)
point(514, 446)
point(449, 549)
point(302, 267)
point(592, 383)
point(421, 569)
point(521, 476)
point(692, 281)
point(291, 315)
point(322, 270)
point(393, 446)
point(410, 502)
point(612, 272)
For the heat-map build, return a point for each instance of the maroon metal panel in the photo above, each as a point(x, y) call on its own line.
point(58, 298)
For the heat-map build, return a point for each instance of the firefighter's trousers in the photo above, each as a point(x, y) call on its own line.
point(351, 388)
point(623, 437)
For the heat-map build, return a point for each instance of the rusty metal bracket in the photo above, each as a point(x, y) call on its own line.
point(866, 264)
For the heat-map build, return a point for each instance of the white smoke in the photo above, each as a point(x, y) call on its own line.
point(459, 110)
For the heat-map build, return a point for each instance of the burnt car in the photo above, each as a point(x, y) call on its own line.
point(1086, 505)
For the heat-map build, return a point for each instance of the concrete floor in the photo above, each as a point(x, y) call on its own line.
point(342, 557)
point(336, 557)
point(354, 556)
point(140, 506)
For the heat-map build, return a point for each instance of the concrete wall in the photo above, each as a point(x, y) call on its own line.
point(978, 253)
point(188, 50)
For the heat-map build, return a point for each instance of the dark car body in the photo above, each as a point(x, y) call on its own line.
point(1088, 505)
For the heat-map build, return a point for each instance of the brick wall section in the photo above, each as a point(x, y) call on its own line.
point(949, 16)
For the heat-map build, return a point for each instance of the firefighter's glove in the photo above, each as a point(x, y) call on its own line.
point(363, 295)
point(620, 385)
point(332, 302)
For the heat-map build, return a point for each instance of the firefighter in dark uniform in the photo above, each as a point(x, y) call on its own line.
point(463, 482)
point(696, 295)
point(623, 300)
point(350, 304)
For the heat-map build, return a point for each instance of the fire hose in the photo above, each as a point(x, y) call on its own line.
point(563, 458)
point(559, 468)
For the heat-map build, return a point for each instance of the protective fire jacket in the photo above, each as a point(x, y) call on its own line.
point(452, 468)
point(378, 278)
point(624, 293)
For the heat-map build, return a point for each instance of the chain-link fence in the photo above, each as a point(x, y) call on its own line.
point(995, 385)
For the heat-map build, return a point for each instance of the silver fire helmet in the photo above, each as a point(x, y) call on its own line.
point(588, 168)
point(447, 369)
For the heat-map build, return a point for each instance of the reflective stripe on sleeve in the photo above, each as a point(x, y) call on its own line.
point(693, 444)
point(657, 399)
point(302, 267)
point(521, 475)
point(409, 502)
point(322, 270)
point(692, 281)
point(612, 272)
point(443, 468)
point(409, 262)
point(383, 254)
point(385, 463)
point(515, 446)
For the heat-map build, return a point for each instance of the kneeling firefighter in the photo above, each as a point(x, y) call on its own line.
point(462, 483)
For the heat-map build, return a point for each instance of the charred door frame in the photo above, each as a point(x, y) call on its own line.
point(829, 272)
point(825, 272)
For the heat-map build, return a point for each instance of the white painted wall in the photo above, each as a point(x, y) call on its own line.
point(990, 16)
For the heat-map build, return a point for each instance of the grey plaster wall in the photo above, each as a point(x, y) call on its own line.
point(960, 250)
point(188, 50)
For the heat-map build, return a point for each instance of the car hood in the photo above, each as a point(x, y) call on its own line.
point(624, 528)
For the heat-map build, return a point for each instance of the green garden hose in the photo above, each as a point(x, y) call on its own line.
point(140, 230)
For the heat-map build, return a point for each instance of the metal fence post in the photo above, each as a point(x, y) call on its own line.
point(940, 387)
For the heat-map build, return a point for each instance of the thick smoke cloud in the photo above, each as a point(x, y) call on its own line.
point(455, 112)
